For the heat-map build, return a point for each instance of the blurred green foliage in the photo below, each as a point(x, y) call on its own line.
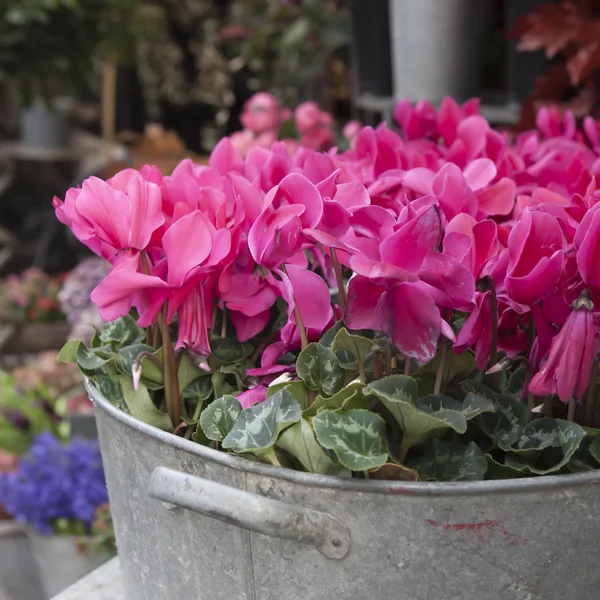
point(51, 45)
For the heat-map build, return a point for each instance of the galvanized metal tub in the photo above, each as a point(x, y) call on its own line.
point(194, 523)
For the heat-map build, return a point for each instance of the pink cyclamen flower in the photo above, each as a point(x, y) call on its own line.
point(536, 257)
point(568, 368)
point(261, 113)
point(109, 219)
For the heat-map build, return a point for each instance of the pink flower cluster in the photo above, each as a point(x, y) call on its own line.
point(444, 217)
point(263, 118)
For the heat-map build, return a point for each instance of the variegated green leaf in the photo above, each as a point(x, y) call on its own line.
point(545, 446)
point(299, 441)
point(333, 402)
point(200, 389)
point(418, 418)
point(257, 428)
point(68, 353)
point(357, 345)
point(503, 426)
point(357, 438)
point(328, 337)
point(445, 461)
point(219, 417)
point(595, 448)
point(187, 371)
point(320, 369)
point(229, 351)
point(122, 332)
point(140, 405)
point(296, 388)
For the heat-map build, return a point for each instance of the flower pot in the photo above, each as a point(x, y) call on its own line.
point(33, 338)
point(63, 560)
point(370, 47)
point(438, 47)
point(19, 575)
point(44, 128)
point(522, 67)
point(192, 520)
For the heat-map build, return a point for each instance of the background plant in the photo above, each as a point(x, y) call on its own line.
point(57, 488)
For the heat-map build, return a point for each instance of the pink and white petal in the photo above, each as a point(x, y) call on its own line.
point(362, 299)
point(408, 247)
point(479, 173)
point(417, 333)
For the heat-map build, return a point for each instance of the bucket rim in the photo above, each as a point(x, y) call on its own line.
point(412, 488)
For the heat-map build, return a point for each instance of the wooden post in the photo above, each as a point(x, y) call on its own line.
point(109, 99)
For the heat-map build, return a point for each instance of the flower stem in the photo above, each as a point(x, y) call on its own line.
point(590, 397)
point(299, 321)
point(494, 314)
point(407, 365)
point(224, 323)
point(146, 270)
point(388, 360)
point(377, 366)
point(571, 409)
point(171, 382)
point(547, 407)
point(340, 282)
point(439, 376)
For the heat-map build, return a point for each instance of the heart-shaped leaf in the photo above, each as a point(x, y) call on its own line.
point(333, 402)
point(357, 345)
point(595, 448)
point(296, 388)
point(219, 417)
point(140, 405)
point(122, 332)
point(320, 369)
point(187, 371)
point(68, 353)
point(110, 388)
point(90, 360)
point(516, 382)
point(200, 389)
point(130, 354)
point(545, 446)
point(504, 425)
point(445, 461)
point(299, 441)
point(328, 337)
point(151, 371)
point(498, 470)
point(417, 418)
point(229, 351)
point(394, 472)
point(257, 428)
point(357, 438)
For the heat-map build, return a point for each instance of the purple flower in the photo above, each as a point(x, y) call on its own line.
point(55, 481)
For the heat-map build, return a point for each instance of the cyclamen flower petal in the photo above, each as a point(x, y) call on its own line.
point(587, 243)
point(416, 334)
point(255, 395)
point(536, 257)
point(568, 368)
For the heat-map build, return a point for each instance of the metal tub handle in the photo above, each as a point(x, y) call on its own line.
point(251, 511)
